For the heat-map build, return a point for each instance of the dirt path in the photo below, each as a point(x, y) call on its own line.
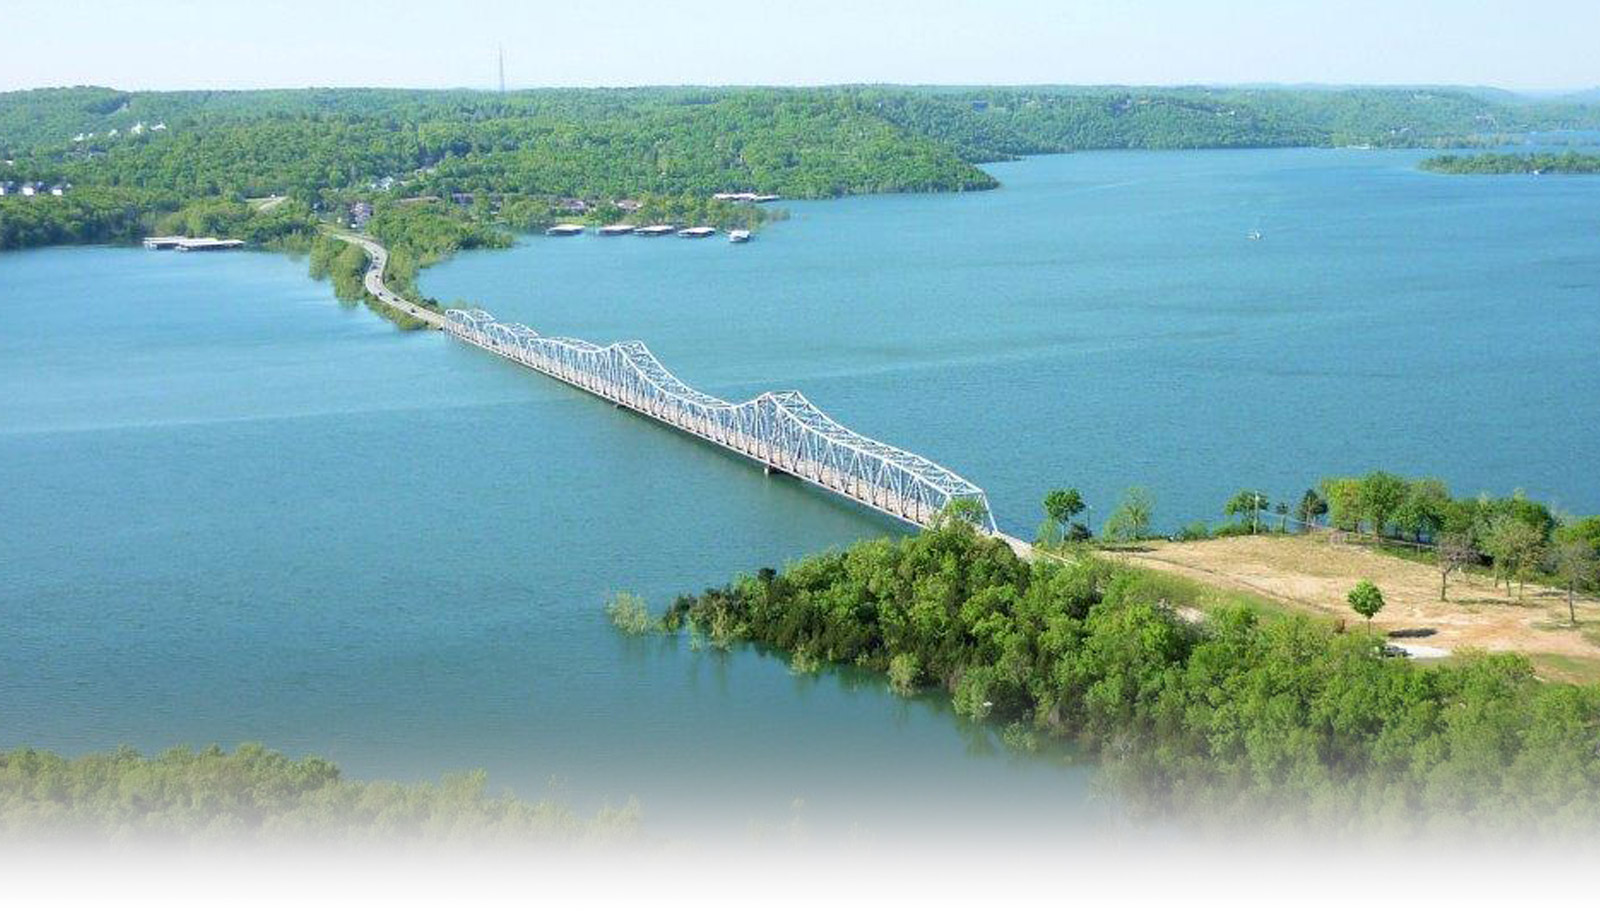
point(1313, 573)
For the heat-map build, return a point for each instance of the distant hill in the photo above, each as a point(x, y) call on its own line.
point(132, 157)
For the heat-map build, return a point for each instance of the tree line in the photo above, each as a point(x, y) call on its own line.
point(1517, 538)
point(252, 793)
point(1564, 162)
point(1239, 716)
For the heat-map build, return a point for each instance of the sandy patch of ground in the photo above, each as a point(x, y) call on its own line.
point(1314, 573)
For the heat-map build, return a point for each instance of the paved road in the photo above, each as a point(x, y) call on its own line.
point(375, 284)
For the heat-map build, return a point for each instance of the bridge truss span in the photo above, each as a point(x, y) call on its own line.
point(782, 430)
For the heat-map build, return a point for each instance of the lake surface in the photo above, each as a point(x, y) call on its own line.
point(235, 510)
point(1103, 320)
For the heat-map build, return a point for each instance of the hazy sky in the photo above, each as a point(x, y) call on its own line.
point(171, 44)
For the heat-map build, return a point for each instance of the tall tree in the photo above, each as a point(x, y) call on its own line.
point(1575, 563)
point(1344, 501)
point(1423, 512)
point(1131, 519)
point(1312, 508)
point(1453, 552)
point(1247, 504)
point(1062, 506)
point(1516, 546)
point(1382, 494)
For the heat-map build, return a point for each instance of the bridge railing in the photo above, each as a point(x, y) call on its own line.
point(782, 429)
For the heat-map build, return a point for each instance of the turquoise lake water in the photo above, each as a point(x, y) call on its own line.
point(235, 510)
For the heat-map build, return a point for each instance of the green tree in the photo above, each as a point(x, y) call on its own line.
point(1516, 546)
point(1424, 510)
point(1061, 506)
point(1248, 506)
point(1586, 530)
point(1382, 495)
point(1311, 509)
point(1344, 501)
point(1575, 563)
point(1367, 600)
point(1452, 552)
point(1131, 519)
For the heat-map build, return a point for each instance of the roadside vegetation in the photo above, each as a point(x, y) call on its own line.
point(256, 794)
point(1235, 714)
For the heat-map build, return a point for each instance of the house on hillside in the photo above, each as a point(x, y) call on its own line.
point(628, 205)
point(60, 189)
point(573, 206)
point(360, 214)
point(7, 187)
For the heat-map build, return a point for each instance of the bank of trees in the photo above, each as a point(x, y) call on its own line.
point(86, 216)
point(1283, 716)
point(343, 263)
point(1519, 538)
point(255, 793)
point(1564, 162)
point(322, 145)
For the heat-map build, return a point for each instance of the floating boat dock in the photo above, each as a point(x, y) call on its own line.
point(757, 197)
point(617, 230)
point(564, 230)
point(187, 244)
point(740, 236)
point(655, 230)
point(697, 232)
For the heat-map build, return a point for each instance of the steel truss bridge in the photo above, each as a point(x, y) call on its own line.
point(781, 430)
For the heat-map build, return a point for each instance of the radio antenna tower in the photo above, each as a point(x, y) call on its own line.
point(502, 69)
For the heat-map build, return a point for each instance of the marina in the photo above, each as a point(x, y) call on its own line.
point(187, 244)
point(755, 197)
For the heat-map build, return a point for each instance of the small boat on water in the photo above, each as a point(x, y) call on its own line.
point(740, 236)
point(1254, 235)
point(697, 232)
point(563, 230)
point(617, 230)
point(654, 230)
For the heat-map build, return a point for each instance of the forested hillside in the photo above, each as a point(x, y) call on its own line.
point(525, 159)
point(995, 123)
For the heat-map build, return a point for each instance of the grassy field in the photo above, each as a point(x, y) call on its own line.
point(1312, 574)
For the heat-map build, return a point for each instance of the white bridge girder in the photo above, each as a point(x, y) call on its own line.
point(781, 429)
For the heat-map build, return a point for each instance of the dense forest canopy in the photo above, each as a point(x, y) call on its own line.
point(1564, 162)
point(526, 159)
point(1236, 714)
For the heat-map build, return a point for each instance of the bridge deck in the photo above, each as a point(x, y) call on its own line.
point(781, 431)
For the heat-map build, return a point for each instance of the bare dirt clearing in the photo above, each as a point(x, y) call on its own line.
point(1313, 573)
